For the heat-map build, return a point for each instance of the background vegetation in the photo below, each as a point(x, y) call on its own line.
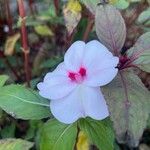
point(34, 35)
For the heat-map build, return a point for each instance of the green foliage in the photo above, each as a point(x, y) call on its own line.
point(110, 27)
point(15, 144)
point(144, 17)
point(143, 62)
point(122, 4)
point(135, 1)
point(23, 103)
point(50, 63)
point(43, 30)
point(55, 136)
point(129, 103)
point(139, 54)
point(91, 5)
point(127, 98)
point(50, 13)
point(3, 79)
point(100, 133)
point(8, 131)
point(34, 125)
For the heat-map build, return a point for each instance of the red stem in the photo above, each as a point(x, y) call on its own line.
point(88, 28)
point(32, 7)
point(56, 4)
point(69, 39)
point(24, 40)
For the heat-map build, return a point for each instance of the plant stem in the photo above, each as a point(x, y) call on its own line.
point(56, 4)
point(127, 103)
point(24, 41)
point(69, 39)
point(88, 28)
point(31, 6)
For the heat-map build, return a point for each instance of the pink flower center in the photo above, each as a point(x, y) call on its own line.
point(79, 76)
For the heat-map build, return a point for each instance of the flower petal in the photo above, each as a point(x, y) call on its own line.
point(56, 84)
point(69, 109)
point(100, 77)
point(95, 105)
point(60, 70)
point(74, 55)
point(95, 53)
point(103, 72)
point(82, 102)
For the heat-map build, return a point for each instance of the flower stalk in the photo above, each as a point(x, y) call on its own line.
point(88, 28)
point(56, 4)
point(25, 47)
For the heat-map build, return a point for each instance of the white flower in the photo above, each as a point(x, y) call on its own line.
point(73, 87)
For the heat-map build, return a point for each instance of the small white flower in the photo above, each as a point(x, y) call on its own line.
point(73, 87)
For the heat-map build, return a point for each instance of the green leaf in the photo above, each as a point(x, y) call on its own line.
point(3, 79)
point(144, 17)
point(128, 102)
point(15, 144)
point(143, 62)
point(91, 5)
point(43, 30)
point(8, 131)
point(50, 63)
point(34, 125)
point(57, 136)
point(30, 21)
point(135, 1)
point(110, 27)
point(23, 103)
point(122, 4)
point(99, 132)
point(139, 54)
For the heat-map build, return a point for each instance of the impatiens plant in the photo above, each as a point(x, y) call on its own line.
point(93, 94)
point(73, 87)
